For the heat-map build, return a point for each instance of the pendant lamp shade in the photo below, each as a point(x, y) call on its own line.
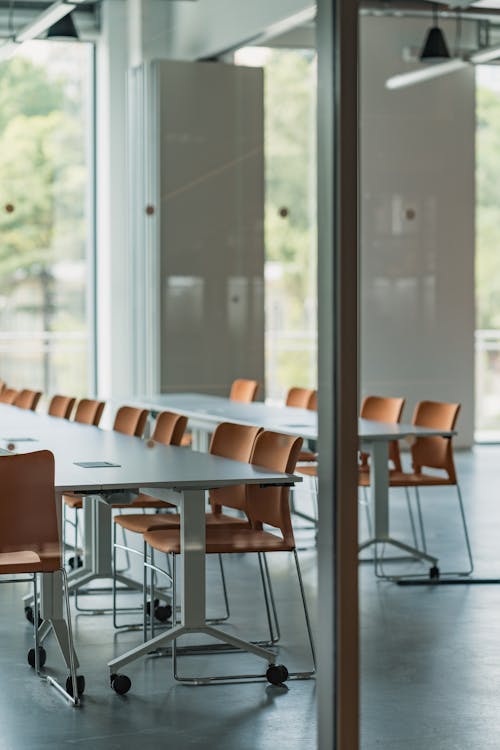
point(435, 48)
point(63, 29)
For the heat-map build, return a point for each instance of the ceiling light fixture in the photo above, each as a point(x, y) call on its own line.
point(435, 48)
point(63, 29)
point(45, 20)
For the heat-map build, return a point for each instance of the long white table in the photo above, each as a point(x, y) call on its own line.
point(205, 412)
point(179, 475)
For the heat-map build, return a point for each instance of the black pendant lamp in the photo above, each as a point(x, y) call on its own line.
point(63, 29)
point(435, 48)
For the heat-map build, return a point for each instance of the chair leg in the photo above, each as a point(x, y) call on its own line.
point(224, 590)
point(466, 532)
point(72, 667)
point(266, 597)
point(420, 520)
point(272, 599)
point(35, 623)
point(410, 516)
point(366, 503)
point(306, 611)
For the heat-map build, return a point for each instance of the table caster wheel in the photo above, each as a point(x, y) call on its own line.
point(163, 613)
point(42, 654)
point(75, 563)
point(80, 685)
point(120, 683)
point(28, 612)
point(155, 605)
point(434, 573)
point(277, 674)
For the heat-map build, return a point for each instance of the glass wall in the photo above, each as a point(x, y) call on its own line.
point(290, 215)
point(488, 253)
point(46, 217)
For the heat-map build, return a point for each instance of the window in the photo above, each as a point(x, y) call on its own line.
point(46, 217)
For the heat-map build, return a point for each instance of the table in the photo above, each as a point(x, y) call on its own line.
point(179, 475)
point(205, 412)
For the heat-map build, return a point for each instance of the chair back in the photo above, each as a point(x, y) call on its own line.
point(169, 428)
point(270, 505)
point(89, 411)
point(61, 406)
point(28, 514)
point(313, 401)
point(435, 452)
point(8, 395)
point(244, 390)
point(27, 399)
point(299, 397)
point(383, 409)
point(3, 385)
point(234, 441)
point(130, 420)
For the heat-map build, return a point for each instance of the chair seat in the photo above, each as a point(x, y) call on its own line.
point(220, 540)
point(407, 479)
point(73, 501)
point(308, 456)
point(142, 501)
point(27, 561)
point(140, 522)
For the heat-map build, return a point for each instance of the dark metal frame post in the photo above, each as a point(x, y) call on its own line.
point(338, 707)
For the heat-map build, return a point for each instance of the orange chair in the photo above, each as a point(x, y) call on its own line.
point(30, 544)
point(435, 453)
point(3, 385)
point(244, 390)
point(89, 411)
point(300, 398)
point(8, 396)
point(265, 506)
point(27, 399)
point(130, 420)
point(230, 441)
point(61, 406)
point(383, 409)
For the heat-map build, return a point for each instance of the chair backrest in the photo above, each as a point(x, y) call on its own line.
point(384, 409)
point(234, 441)
point(61, 406)
point(299, 397)
point(3, 385)
point(130, 420)
point(28, 514)
point(313, 401)
point(169, 428)
point(244, 390)
point(8, 395)
point(27, 399)
point(435, 452)
point(89, 411)
point(270, 505)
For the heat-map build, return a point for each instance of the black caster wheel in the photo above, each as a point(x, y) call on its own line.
point(120, 683)
point(28, 611)
point(155, 605)
point(434, 573)
point(163, 613)
point(31, 656)
point(73, 564)
point(277, 674)
point(80, 685)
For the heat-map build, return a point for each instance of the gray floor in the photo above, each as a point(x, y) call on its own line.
point(430, 662)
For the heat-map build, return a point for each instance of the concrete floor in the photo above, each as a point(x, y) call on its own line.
point(430, 662)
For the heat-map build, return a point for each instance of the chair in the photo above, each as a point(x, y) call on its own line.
point(300, 398)
point(244, 390)
point(27, 399)
point(264, 506)
point(30, 544)
point(3, 385)
point(435, 453)
point(230, 441)
point(89, 411)
point(8, 396)
point(130, 420)
point(61, 406)
point(383, 409)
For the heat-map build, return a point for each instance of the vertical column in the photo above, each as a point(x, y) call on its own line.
point(338, 705)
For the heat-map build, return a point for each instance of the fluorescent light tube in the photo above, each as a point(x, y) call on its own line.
point(485, 55)
point(425, 74)
point(45, 20)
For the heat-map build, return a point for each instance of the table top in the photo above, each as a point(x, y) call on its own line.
point(205, 410)
point(138, 465)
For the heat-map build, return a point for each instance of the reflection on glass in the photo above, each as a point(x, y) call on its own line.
point(44, 217)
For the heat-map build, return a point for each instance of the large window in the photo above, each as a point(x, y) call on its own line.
point(488, 253)
point(290, 215)
point(46, 217)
